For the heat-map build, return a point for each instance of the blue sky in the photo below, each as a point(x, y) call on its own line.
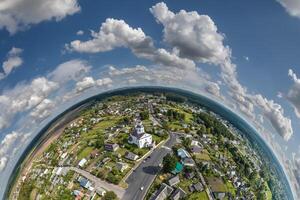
point(241, 56)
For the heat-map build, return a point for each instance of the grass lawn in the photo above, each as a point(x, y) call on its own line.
point(85, 152)
point(175, 126)
point(203, 156)
point(198, 196)
point(268, 192)
point(108, 122)
point(230, 188)
point(33, 194)
point(216, 184)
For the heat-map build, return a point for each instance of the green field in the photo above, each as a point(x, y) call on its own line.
point(198, 196)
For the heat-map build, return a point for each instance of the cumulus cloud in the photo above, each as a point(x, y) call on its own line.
point(70, 70)
point(3, 161)
point(213, 89)
point(88, 82)
point(293, 95)
point(13, 61)
point(127, 70)
point(291, 6)
point(23, 98)
point(117, 33)
point(196, 37)
point(275, 113)
point(80, 32)
point(42, 110)
point(16, 15)
point(8, 146)
point(192, 35)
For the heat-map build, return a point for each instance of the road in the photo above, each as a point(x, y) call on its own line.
point(99, 183)
point(146, 172)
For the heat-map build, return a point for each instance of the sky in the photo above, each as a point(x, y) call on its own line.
point(243, 54)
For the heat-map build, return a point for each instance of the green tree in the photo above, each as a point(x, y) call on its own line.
point(169, 163)
point(110, 195)
point(144, 115)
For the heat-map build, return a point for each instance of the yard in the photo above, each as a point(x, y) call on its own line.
point(198, 196)
point(216, 184)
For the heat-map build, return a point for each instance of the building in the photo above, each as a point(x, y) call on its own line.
point(111, 147)
point(178, 168)
point(139, 137)
point(121, 166)
point(162, 193)
point(131, 156)
point(174, 180)
point(100, 191)
point(84, 183)
point(188, 162)
point(178, 194)
point(183, 153)
point(82, 162)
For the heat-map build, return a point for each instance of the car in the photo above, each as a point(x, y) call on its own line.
point(142, 188)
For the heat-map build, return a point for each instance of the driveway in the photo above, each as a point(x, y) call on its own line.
point(99, 183)
point(145, 173)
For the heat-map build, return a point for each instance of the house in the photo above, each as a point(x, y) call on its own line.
point(194, 143)
point(178, 168)
point(162, 193)
point(196, 149)
point(82, 162)
point(131, 156)
point(178, 194)
point(139, 137)
point(189, 175)
point(121, 166)
point(219, 195)
point(174, 180)
point(188, 162)
point(85, 183)
point(111, 147)
point(94, 153)
point(183, 153)
point(100, 191)
point(198, 187)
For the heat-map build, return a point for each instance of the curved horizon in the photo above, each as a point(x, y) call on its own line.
point(207, 102)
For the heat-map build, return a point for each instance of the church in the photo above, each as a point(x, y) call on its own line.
point(139, 137)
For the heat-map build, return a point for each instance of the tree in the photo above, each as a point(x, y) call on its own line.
point(110, 195)
point(99, 141)
point(144, 115)
point(169, 163)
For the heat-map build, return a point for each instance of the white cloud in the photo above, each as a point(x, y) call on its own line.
point(117, 33)
point(23, 98)
point(16, 15)
point(3, 162)
point(196, 36)
point(13, 61)
point(80, 32)
point(293, 95)
point(86, 83)
point(70, 70)
point(9, 145)
point(42, 110)
point(213, 89)
point(192, 35)
point(132, 70)
point(291, 6)
point(275, 113)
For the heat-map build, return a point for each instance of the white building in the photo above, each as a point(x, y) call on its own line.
point(139, 137)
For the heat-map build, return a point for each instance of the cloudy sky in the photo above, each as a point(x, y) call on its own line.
point(244, 54)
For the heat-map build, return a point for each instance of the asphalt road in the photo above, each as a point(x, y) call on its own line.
point(145, 173)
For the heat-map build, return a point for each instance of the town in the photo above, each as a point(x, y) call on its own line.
point(147, 146)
